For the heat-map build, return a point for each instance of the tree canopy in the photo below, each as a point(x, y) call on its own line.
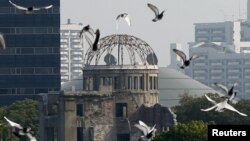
point(191, 131)
point(25, 112)
point(190, 109)
point(192, 122)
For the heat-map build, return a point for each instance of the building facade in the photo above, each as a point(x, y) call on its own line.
point(72, 51)
point(114, 96)
point(30, 64)
point(220, 64)
point(224, 49)
point(236, 34)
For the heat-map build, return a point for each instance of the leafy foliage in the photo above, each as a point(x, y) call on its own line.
point(24, 112)
point(192, 122)
point(190, 109)
point(191, 131)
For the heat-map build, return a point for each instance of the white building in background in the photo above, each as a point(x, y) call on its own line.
point(235, 33)
point(218, 63)
point(72, 52)
point(175, 60)
point(224, 48)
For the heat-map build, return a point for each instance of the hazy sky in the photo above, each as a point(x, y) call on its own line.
point(177, 24)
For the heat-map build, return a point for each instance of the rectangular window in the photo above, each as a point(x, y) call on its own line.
point(84, 82)
point(121, 109)
point(42, 70)
point(27, 50)
point(155, 82)
point(151, 82)
point(129, 82)
point(89, 83)
point(91, 133)
point(141, 82)
point(101, 80)
point(79, 109)
point(79, 134)
point(116, 82)
point(135, 82)
point(5, 71)
point(110, 79)
point(41, 50)
point(27, 70)
point(123, 137)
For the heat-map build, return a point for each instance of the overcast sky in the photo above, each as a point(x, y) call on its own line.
point(177, 24)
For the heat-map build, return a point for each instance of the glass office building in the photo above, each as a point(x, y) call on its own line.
point(30, 64)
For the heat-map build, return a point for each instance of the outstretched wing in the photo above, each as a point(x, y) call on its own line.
point(89, 41)
point(13, 124)
point(152, 129)
point(154, 9)
point(45, 7)
point(126, 17)
point(128, 20)
point(18, 6)
point(143, 124)
point(229, 107)
point(97, 37)
point(209, 99)
point(2, 42)
point(181, 54)
point(88, 29)
point(143, 129)
point(31, 138)
point(194, 57)
point(223, 87)
point(209, 109)
point(231, 91)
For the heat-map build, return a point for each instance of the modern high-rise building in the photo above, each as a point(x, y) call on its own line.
point(30, 64)
point(220, 64)
point(72, 52)
point(224, 49)
point(235, 33)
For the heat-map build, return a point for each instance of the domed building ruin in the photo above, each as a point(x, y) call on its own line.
point(120, 87)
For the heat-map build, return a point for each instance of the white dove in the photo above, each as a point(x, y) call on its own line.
point(19, 130)
point(220, 107)
point(147, 131)
point(30, 9)
point(124, 16)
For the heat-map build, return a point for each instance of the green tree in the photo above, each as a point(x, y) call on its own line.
point(190, 109)
point(26, 113)
point(191, 131)
point(3, 125)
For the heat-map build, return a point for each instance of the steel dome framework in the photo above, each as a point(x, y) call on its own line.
point(122, 42)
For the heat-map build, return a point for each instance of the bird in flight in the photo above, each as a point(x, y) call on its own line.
point(30, 9)
point(97, 37)
point(221, 106)
point(91, 43)
point(31, 138)
point(124, 16)
point(2, 42)
point(147, 131)
point(19, 130)
point(158, 15)
point(185, 62)
point(86, 29)
point(230, 92)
